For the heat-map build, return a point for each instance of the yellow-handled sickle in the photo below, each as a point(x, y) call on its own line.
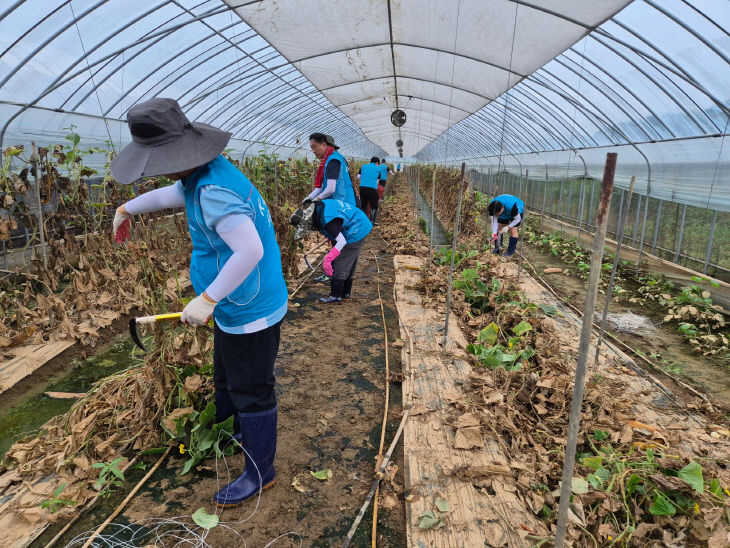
point(134, 322)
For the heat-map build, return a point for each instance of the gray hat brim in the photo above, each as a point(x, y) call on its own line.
point(188, 151)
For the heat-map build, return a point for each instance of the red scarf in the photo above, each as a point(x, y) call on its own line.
point(320, 172)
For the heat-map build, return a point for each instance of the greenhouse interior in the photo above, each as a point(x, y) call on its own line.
point(474, 255)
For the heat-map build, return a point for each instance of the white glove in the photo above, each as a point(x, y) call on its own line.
point(504, 230)
point(119, 220)
point(198, 311)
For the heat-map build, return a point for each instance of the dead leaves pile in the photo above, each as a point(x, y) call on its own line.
point(120, 416)
point(527, 410)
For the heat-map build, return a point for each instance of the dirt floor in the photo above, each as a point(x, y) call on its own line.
point(331, 379)
point(671, 351)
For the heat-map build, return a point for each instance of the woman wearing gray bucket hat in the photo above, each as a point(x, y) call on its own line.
point(235, 269)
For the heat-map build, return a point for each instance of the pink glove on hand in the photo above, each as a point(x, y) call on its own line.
point(121, 226)
point(327, 264)
point(494, 237)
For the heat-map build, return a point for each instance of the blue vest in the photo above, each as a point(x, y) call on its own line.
point(355, 224)
point(384, 172)
point(263, 293)
point(343, 190)
point(509, 201)
point(369, 175)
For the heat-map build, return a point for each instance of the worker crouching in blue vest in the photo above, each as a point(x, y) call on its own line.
point(346, 227)
point(506, 212)
point(235, 269)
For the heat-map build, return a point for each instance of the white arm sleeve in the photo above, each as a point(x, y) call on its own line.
point(247, 249)
point(495, 228)
point(516, 220)
point(162, 198)
point(330, 190)
point(340, 242)
point(316, 192)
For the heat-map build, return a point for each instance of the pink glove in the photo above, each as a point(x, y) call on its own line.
point(327, 264)
point(121, 226)
point(494, 237)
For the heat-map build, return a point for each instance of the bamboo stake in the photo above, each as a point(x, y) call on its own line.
point(583, 349)
point(453, 254)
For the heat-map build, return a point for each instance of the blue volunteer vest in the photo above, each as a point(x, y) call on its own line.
point(384, 172)
point(509, 201)
point(264, 291)
point(355, 224)
point(343, 190)
point(369, 175)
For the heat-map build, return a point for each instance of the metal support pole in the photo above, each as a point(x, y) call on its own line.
point(41, 230)
point(636, 222)
point(544, 200)
point(609, 292)
point(583, 349)
point(560, 204)
point(570, 201)
point(709, 243)
point(276, 182)
point(590, 205)
point(656, 226)
point(453, 254)
point(681, 234)
point(580, 208)
point(433, 206)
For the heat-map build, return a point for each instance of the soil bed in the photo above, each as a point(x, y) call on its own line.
point(330, 374)
point(707, 373)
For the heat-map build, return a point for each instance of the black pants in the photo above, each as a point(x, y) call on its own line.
point(244, 371)
point(368, 196)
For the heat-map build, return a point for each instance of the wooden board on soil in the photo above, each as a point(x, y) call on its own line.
point(433, 381)
point(26, 359)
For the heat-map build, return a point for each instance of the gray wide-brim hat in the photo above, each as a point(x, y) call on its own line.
point(164, 141)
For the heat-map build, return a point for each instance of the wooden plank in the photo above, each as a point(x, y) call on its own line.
point(26, 359)
point(432, 383)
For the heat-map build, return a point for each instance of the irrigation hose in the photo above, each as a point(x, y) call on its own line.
point(385, 412)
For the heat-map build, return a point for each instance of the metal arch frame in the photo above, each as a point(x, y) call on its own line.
point(338, 105)
point(141, 51)
point(434, 82)
point(34, 27)
point(146, 77)
point(615, 102)
point(617, 81)
point(167, 31)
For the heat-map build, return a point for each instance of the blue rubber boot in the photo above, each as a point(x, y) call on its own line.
point(258, 431)
point(512, 247)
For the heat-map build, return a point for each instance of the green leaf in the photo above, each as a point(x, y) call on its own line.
point(322, 474)
point(442, 505)
point(634, 485)
point(600, 435)
point(594, 463)
point(521, 328)
point(662, 505)
point(489, 334)
point(715, 487)
point(549, 310)
point(153, 451)
point(204, 519)
point(579, 486)
point(692, 474)
point(429, 520)
point(206, 417)
point(188, 465)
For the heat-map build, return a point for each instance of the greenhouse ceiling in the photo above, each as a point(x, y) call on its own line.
point(476, 78)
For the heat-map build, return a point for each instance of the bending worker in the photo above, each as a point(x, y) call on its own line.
point(369, 177)
point(506, 212)
point(235, 269)
point(344, 225)
point(333, 169)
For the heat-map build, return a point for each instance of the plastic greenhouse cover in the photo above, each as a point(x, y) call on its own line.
point(359, 58)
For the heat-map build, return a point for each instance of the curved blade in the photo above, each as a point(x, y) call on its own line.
point(134, 334)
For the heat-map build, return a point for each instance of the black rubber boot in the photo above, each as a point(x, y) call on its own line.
point(347, 289)
point(337, 288)
point(258, 432)
point(373, 215)
point(512, 247)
